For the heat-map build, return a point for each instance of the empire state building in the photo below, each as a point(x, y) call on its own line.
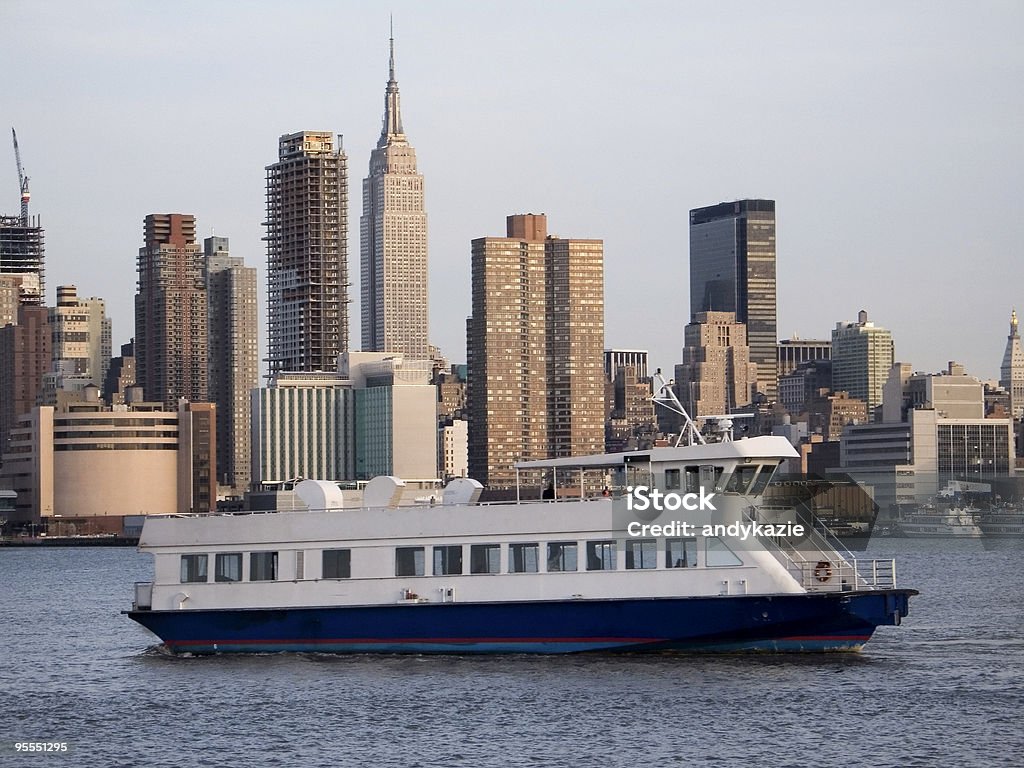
point(393, 240)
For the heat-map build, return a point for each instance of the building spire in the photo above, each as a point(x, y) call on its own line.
point(391, 41)
point(392, 128)
point(1013, 323)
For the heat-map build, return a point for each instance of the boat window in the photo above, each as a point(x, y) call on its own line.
point(263, 566)
point(680, 553)
point(228, 567)
point(409, 561)
point(711, 477)
point(763, 478)
point(692, 479)
point(641, 553)
point(448, 560)
point(672, 479)
point(485, 558)
point(717, 553)
point(523, 558)
point(638, 471)
point(193, 568)
point(740, 479)
point(600, 555)
point(337, 564)
point(562, 556)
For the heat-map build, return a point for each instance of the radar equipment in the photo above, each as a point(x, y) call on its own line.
point(665, 396)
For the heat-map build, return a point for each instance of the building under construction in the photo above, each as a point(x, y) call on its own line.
point(21, 255)
point(307, 254)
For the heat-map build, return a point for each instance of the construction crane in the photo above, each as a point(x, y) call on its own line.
point(22, 181)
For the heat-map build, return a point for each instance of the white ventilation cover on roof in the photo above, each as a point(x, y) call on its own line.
point(320, 494)
point(383, 491)
point(462, 490)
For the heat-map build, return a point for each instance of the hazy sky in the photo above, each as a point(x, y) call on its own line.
point(891, 136)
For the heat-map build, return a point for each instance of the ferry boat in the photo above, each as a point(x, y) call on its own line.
point(961, 521)
point(379, 572)
point(1003, 521)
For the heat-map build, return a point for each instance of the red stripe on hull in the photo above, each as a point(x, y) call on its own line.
point(438, 640)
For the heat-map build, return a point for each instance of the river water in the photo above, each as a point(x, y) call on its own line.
point(946, 688)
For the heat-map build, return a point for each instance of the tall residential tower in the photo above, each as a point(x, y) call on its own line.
point(307, 254)
point(862, 355)
point(81, 345)
point(171, 325)
point(393, 240)
point(234, 357)
point(25, 357)
point(536, 349)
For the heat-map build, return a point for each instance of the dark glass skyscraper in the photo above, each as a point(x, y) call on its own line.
point(732, 269)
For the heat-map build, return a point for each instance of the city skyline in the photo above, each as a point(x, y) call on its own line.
point(884, 134)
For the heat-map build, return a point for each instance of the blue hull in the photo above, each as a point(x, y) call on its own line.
point(803, 622)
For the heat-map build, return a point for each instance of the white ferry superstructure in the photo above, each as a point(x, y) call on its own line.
point(556, 575)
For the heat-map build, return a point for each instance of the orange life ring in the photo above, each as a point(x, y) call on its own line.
point(823, 570)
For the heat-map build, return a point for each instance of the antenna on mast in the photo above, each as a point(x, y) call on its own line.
point(665, 396)
point(391, 41)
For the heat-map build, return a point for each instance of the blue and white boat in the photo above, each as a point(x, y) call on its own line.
point(380, 571)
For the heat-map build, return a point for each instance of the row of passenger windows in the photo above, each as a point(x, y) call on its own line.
point(602, 555)
point(450, 560)
point(227, 567)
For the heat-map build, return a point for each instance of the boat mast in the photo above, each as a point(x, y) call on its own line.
point(665, 396)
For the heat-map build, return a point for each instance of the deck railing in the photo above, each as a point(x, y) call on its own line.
point(826, 565)
point(845, 576)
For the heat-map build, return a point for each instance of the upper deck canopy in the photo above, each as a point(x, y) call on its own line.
point(767, 447)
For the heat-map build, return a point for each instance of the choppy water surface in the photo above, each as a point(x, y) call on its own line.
point(946, 688)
